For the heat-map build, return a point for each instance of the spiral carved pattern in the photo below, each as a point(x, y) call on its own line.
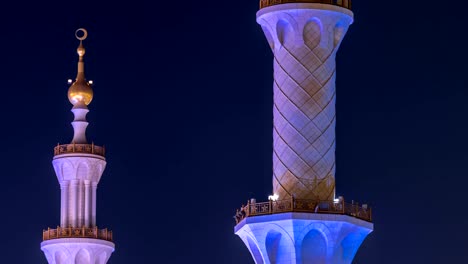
point(304, 43)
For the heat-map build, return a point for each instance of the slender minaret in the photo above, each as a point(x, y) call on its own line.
point(78, 166)
point(304, 222)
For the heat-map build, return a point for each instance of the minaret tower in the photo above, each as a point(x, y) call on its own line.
point(304, 222)
point(78, 166)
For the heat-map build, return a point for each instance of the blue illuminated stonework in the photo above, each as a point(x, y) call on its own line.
point(301, 238)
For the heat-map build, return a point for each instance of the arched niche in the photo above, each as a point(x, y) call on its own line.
point(314, 248)
point(61, 257)
point(82, 257)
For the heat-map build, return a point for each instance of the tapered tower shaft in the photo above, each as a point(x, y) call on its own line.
point(304, 39)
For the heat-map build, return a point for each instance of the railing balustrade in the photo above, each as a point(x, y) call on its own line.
point(341, 3)
point(306, 206)
point(77, 232)
point(79, 148)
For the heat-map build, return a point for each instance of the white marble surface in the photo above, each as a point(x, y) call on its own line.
point(78, 176)
point(77, 251)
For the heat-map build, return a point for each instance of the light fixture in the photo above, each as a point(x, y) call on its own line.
point(273, 197)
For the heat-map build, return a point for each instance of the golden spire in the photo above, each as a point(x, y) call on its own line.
point(80, 92)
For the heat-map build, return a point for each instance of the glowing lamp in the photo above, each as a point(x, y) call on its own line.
point(273, 197)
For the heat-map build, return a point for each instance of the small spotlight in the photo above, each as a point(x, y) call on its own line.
point(273, 197)
point(90, 82)
point(336, 200)
point(70, 81)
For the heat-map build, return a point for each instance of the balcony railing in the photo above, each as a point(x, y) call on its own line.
point(72, 232)
point(306, 206)
point(341, 3)
point(79, 148)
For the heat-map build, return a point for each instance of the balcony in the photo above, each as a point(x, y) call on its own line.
point(341, 3)
point(72, 232)
point(253, 209)
point(79, 148)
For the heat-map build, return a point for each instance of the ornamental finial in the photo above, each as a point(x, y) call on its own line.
point(80, 92)
point(84, 34)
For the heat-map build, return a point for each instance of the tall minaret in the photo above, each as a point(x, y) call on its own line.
point(304, 222)
point(79, 166)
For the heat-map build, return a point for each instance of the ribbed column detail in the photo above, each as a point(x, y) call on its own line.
point(93, 204)
point(88, 203)
point(64, 187)
point(74, 202)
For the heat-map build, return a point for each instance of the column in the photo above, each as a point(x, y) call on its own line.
point(64, 204)
point(93, 205)
point(81, 205)
point(87, 203)
point(74, 199)
point(304, 44)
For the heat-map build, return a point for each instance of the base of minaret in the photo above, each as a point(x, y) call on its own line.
point(77, 251)
point(300, 238)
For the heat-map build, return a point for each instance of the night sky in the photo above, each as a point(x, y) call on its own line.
point(183, 104)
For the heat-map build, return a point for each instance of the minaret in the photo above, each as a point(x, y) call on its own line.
point(304, 222)
point(78, 166)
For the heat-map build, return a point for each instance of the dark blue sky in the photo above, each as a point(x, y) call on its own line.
point(183, 103)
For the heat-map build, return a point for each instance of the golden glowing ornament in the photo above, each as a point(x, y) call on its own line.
point(80, 92)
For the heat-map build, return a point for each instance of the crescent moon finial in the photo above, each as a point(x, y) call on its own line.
point(81, 50)
point(82, 30)
point(80, 92)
